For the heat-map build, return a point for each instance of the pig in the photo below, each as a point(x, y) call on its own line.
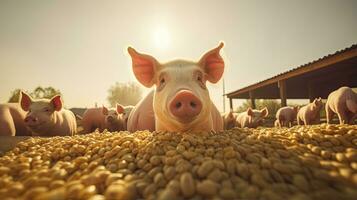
point(12, 120)
point(180, 101)
point(47, 117)
point(114, 120)
point(229, 120)
point(285, 116)
point(127, 111)
point(252, 118)
point(310, 113)
point(343, 102)
point(103, 118)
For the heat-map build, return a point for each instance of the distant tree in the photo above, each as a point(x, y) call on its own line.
point(39, 92)
point(14, 98)
point(272, 105)
point(124, 93)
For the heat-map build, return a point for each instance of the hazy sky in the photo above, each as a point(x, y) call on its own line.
point(79, 47)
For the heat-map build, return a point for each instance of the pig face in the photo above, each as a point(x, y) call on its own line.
point(181, 100)
point(256, 117)
point(40, 117)
point(113, 116)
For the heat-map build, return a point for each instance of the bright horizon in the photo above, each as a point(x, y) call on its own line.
point(79, 47)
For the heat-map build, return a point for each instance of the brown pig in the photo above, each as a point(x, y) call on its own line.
point(47, 117)
point(285, 116)
point(310, 113)
point(180, 101)
point(343, 102)
point(12, 120)
point(103, 118)
point(252, 118)
point(229, 120)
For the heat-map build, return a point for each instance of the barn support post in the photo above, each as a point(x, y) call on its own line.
point(230, 103)
point(310, 90)
point(252, 100)
point(282, 91)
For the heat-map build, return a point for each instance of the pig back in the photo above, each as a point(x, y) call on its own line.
point(92, 119)
point(66, 124)
point(12, 115)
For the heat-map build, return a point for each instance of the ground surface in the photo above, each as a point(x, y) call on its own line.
point(312, 162)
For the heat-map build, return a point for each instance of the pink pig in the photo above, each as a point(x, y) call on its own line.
point(310, 113)
point(47, 117)
point(343, 102)
point(285, 116)
point(103, 118)
point(12, 120)
point(180, 101)
point(252, 118)
point(229, 120)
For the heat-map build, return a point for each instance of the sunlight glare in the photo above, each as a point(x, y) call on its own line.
point(161, 38)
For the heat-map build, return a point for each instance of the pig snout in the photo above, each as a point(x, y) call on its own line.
point(185, 105)
point(110, 119)
point(30, 120)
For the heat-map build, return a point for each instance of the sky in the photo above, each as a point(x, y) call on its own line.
point(80, 46)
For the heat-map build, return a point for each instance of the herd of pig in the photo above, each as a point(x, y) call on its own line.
point(179, 102)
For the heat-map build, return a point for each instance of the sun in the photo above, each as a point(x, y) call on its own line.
point(161, 38)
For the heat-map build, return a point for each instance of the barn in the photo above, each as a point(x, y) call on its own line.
point(314, 79)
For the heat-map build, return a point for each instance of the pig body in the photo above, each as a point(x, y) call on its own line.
point(46, 117)
point(92, 119)
point(342, 102)
point(285, 116)
point(103, 118)
point(310, 113)
point(229, 120)
point(251, 118)
point(180, 101)
point(12, 120)
point(126, 114)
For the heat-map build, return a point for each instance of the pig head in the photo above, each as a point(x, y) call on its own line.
point(114, 120)
point(46, 117)
point(229, 120)
point(181, 100)
point(252, 118)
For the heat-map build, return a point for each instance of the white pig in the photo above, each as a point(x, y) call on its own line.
point(180, 101)
point(310, 113)
point(229, 120)
point(343, 102)
point(127, 111)
point(252, 118)
point(12, 120)
point(47, 117)
point(103, 118)
point(285, 116)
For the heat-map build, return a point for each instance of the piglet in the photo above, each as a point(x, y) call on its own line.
point(285, 116)
point(229, 120)
point(343, 102)
point(47, 117)
point(310, 113)
point(103, 118)
point(114, 120)
point(252, 118)
point(180, 101)
point(12, 120)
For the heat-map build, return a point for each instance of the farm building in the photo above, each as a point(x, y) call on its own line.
point(315, 79)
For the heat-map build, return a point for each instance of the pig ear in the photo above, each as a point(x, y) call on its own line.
point(56, 101)
point(213, 64)
point(250, 112)
point(25, 101)
point(120, 109)
point(264, 112)
point(104, 110)
point(143, 67)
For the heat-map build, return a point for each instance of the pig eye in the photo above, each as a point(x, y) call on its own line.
point(47, 110)
point(162, 81)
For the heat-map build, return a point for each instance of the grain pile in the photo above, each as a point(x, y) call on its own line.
point(312, 162)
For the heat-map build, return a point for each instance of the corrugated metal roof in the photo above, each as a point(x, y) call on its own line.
point(354, 46)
